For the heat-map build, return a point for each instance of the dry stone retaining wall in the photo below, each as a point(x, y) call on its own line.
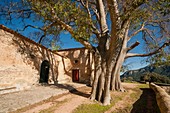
point(167, 89)
point(163, 99)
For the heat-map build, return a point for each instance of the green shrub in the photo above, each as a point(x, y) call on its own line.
point(154, 77)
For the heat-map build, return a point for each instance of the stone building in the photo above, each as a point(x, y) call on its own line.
point(24, 63)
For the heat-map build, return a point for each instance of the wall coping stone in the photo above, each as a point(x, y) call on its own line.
point(162, 98)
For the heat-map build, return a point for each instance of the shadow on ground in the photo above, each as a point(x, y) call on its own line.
point(77, 91)
point(146, 103)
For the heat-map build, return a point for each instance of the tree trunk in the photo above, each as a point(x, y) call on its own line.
point(103, 69)
point(105, 60)
point(102, 81)
point(97, 74)
point(101, 84)
point(123, 36)
point(107, 97)
point(116, 82)
point(108, 55)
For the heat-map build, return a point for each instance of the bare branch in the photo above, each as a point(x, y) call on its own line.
point(41, 38)
point(18, 11)
point(49, 26)
point(161, 23)
point(149, 33)
point(96, 13)
point(35, 27)
point(160, 20)
point(148, 54)
point(135, 33)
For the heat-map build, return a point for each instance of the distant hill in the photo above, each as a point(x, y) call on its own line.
point(136, 74)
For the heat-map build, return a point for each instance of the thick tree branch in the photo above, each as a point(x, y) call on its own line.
point(86, 6)
point(114, 14)
point(148, 54)
point(103, 23)
point(133, 46)
point(70, 30)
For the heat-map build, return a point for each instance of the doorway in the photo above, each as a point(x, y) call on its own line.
point(44, 72)
point(75, 75)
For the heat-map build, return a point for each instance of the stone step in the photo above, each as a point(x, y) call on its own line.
point(9, 89)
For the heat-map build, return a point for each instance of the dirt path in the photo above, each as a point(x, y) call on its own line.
point(135, 100)
point(146, 103)
point(77, 98)
point(65, 103)
point(120, 104)
point(73, 103)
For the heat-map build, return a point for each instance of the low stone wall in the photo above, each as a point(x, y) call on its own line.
point(162, 98)
point(166, 88)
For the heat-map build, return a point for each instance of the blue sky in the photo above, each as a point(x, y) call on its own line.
point(68, 42)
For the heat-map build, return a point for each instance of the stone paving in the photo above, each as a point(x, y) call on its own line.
point(13, 101)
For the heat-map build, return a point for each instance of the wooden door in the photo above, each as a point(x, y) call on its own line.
point(75, 75)
point(44, 72)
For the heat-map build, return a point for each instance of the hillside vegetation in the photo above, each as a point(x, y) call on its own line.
point(160, 74)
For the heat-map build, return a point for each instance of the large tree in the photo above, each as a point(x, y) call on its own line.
point(111, 24)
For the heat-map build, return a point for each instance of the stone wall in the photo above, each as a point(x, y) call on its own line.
point(167, 89)
point(162, 98)
point(21, 58)
point(80, 59)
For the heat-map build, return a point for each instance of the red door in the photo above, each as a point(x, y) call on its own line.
point(75, 75)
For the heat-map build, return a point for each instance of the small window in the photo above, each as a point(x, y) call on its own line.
point(76, 61)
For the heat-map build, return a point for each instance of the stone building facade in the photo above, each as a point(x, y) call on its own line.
point(22, 61)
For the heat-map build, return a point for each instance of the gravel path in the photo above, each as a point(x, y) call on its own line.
point(13, 101)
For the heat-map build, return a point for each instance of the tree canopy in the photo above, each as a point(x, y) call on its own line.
point(82, 19)
point(115, 26)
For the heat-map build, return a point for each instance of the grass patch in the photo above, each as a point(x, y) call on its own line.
point(97, 107)
point(134, 96)
point(143, 100)
point(53, 107)
point(143, 86)
point(91, 108)
point(116, 97)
